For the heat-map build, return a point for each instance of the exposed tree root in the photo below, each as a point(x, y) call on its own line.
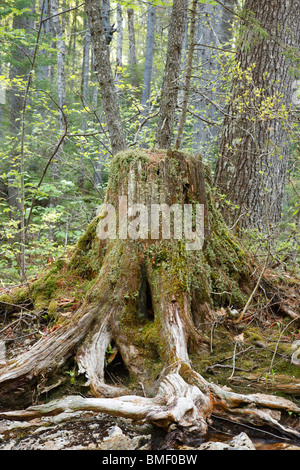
point(176, 402)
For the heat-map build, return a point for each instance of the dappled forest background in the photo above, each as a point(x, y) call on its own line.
point(55, 150)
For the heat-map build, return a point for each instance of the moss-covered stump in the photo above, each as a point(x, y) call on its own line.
point(144, 303)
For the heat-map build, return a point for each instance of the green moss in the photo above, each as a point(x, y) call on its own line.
point(5, 298)
point(87, 259)
point(148, 338)
point(121, 163)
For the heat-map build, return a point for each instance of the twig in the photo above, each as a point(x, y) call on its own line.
point(249, 301)
point(8, 326)
point(14, 305)
point(233, 360)
point(62, 12)
point(230, 11)
point(214, 47)
point(211, 123)
point(23, 336)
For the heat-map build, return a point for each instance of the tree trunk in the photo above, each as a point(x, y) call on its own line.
point(58, 26)
point(188, 75)
point(132, 49)
point(43, 71)
point(148, 302)
point(20, 67)
point(254, 150)
point(59, 31)
point(86, 64)
point(148, 59)
point(213, 30)
point(172, 74)
point(84, 92)
point(106, 81)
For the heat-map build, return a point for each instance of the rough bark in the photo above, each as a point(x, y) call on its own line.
point(171, 75)
point(254, 149)
point(213, 30)
point(188, 75)
point(109, 96)
point(149, 298)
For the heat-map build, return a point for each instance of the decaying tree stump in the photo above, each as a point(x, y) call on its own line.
point(147, 301)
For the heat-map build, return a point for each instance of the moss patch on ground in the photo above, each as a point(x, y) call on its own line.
point(250, 358)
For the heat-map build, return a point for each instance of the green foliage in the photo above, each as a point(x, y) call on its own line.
point(61, 208)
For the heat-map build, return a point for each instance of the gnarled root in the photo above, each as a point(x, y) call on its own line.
point(176, 402)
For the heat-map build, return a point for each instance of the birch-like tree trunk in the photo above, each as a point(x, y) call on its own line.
point(188, 75)
point(149, 57)
point(171, 75)
point(109, 96)
point(58, 29)
point(20, 69)
point(254, 150)
point(43, 71)
point(86, 63)
point(59, 33)
point(119, 43)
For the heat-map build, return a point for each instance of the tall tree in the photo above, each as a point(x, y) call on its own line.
point(84, 89)
point(109, 96)
point(149, 56)
point(18, 73)
point(189, 65)
point(20, 76)
point(172, 74)
point(213, 32)
point(132, 48)
point(43, 71)
point(58, 25)
point(119, 43)
point(152, 301)
point(254, 150)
